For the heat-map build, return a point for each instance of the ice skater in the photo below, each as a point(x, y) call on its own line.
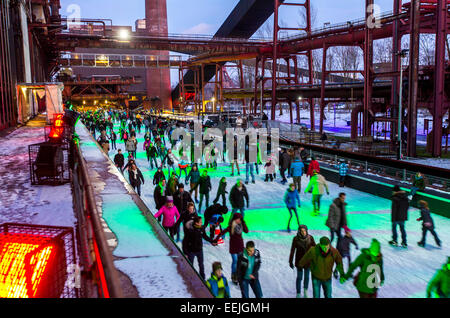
point(248, 264)
point(317, 185)
point(370, 262)
point(292, 200)
point(427, 224)
point(301, 244)
point(399, 214)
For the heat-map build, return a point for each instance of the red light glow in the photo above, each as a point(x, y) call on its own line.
point(23, 261)
point(55, 132)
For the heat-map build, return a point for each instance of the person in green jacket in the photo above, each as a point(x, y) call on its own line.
point(217, 283)
point(441, 282)
point(317, 184)
point(371, 275)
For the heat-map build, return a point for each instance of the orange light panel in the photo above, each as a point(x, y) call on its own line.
point(23, 261)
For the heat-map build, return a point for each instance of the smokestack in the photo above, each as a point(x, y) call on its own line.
point(158, 79)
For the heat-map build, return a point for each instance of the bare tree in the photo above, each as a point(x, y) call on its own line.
point(348, 58)
point(382, 51)
point(427, 44)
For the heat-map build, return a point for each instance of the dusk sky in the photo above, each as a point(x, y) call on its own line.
point(206, 16)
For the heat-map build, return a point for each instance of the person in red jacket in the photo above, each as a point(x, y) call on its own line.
point(313, 165)
point(236, 227)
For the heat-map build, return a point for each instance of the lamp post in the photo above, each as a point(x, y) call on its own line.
point(401, 54)
point(299, 105)
point(214, 104)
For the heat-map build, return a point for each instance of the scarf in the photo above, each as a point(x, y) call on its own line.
point(236, 228)
point(303, 241)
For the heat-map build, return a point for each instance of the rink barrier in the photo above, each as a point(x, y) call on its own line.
point(195, 283)
point(431, 171)
point(361, 182)
point(100, 277)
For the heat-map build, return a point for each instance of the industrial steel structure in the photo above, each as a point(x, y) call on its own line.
point(233, 42)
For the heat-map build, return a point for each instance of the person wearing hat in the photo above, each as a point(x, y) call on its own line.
point(236, 227)
point(215, 211)
point(237, 195)
point(170, 216)
point(158, 176)
point(399, 214)
point(343, 170)
point(317, 185)
point(322, 259)
point(370, 262)
point(221, 191)
point(296, 172)
point(217, 283)
point(440, 282)
point(301, 244)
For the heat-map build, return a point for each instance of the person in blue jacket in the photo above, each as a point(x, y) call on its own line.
point(343, 170)
point(292, 199)
point(297, 168)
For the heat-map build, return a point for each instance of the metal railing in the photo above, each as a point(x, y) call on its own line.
point(396, 174)
point(99, 275)
point(336, 26)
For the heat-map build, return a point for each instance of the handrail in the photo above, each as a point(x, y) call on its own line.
point(109, 285)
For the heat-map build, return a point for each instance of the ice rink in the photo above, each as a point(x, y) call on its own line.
point(407, 271)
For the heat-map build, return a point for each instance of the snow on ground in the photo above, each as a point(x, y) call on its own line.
point(434, 162)
point(407, 271)
point(139, 253)
point(20, 201)
point(336, 124)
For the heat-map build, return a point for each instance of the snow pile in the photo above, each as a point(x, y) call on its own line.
point(20, 201)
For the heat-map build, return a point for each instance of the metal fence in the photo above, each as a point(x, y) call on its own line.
point(398, 175)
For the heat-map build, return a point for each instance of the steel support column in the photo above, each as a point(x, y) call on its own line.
point(396, 64)
point(368, 68)
point(322, 87)
point(274, 60)
point(413, 77)
point(439, 76)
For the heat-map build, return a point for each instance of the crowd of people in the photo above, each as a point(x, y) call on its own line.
point(178, 208)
